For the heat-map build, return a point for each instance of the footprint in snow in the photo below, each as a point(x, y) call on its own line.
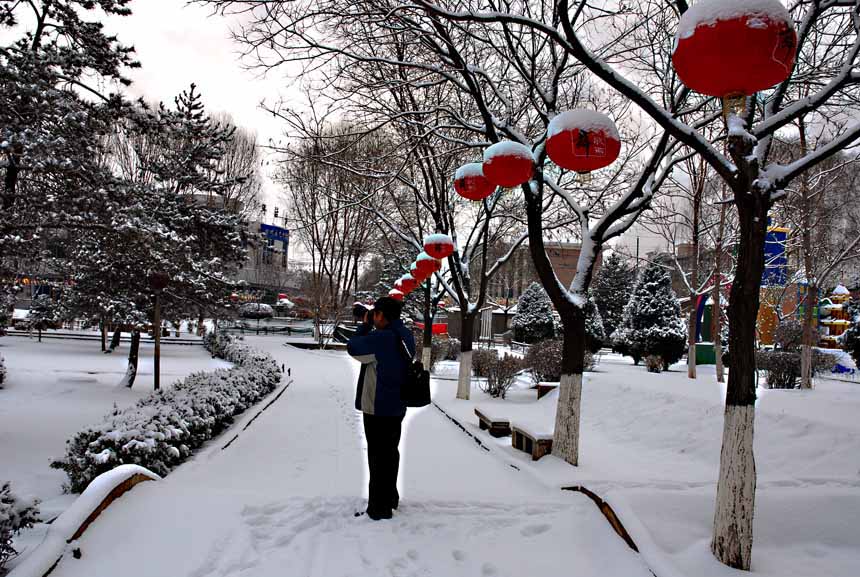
point(533, 530)
point(458, 555)
point(488, 569)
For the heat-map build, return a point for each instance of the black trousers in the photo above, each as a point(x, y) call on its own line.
point(383, 459)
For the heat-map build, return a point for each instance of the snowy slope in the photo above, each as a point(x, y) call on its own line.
point(279, 501)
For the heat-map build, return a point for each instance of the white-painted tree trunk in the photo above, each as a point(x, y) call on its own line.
point(426, 356)
point(565, 441)
point(464, 382)
point(733, 515)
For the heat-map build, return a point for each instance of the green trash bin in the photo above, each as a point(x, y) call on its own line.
point(705, 354)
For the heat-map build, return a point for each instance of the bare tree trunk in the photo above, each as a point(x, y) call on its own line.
point(565, 443)
point(115, 339)
point(717, 319)
point(811, 298)
point(427, 343)
point(103, 332)
point(691, 337)
point(694, 273)
point(467, 336)
point(733, 516)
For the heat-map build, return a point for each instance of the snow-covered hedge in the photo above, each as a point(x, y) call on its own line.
point(2, 371)
point(16, 514)
point(165, 428)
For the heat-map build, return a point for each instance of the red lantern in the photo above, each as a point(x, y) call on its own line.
point(438, 245)
point(730, 48)
point(583, 140)
point(417, 273)
point(395, 294)
point(470, 182)
point(426, 265)
point(234, 297)
point(508, 164)
point(407, 284)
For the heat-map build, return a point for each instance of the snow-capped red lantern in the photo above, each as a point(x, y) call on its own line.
point(470, 182)
point(439, 245)
point(395, 294)
point(426, 265)
point(417, 273)
point(583, 140)
point(508, 164)
point(234, 297)
point(407, 284)
point(731, 48)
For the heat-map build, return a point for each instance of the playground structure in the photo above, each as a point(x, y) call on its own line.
point(833, 318)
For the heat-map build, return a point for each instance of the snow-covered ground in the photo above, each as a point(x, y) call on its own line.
point(57, 387)
point(280, 501)
point(651, 442)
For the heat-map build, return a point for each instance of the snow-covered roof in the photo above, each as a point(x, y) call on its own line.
point(508, 148)
point(583, 120)
point(471, 169)
point(708, 12)
point(20, 314)
point(841, 290)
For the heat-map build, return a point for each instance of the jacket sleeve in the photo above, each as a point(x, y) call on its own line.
point(364, 345)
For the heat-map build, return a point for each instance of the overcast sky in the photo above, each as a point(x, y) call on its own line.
point(178, 44)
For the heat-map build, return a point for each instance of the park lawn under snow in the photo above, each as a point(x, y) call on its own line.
point(279, 501)
point(56, 388)
point(650, 444)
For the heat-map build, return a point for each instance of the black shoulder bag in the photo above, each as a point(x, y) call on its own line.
point(415, 391)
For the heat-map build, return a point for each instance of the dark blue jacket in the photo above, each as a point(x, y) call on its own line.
point(383, 368)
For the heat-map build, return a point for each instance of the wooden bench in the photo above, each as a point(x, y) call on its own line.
point(543, 389)
point(536, 444)
point(498, 427)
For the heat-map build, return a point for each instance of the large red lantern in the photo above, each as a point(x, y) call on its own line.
point(470, 182)
point(417, 273)
point(426, 265)
point(439, 245)
point(508, 164)
point(407, 283)
point(395, 294)
point(729, 48)
point(582, 140)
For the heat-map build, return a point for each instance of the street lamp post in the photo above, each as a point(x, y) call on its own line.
point(158, 281)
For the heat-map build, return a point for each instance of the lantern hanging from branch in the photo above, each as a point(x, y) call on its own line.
point(734, 48)
point(419, 276)
point(508, 164)
point(395, 294)
point(426, 265)
point(470, 182)
point(439, 245)
point(583, 140)
point(407, 283)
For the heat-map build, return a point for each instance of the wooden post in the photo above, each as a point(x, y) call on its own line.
point(157, 356)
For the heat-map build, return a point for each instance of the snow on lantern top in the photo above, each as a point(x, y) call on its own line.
point(419, 273)
point(508, 164)
point(470, 182)
point(439, 245)
point(583, 140)
point(727, 48)
point(407, 283)
point(395, 294)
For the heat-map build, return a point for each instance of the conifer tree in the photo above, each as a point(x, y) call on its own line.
point(533, 321)
point(612, 287)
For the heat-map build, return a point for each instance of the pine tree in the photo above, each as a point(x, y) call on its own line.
point(851, 339)
point(612, 287)
point(595, 334)
point(652, 324)
point(533, 321)
point(43, 313)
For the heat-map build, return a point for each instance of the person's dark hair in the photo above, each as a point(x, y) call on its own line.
point(389, 307)
point(359, 310)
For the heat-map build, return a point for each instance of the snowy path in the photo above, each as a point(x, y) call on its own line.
point(279, 501)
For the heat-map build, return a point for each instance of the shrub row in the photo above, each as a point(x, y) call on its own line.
point(782, 368)
point(162, 430)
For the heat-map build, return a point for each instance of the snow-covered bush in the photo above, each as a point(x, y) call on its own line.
point(788, 336)
point(595, 334)
point(482, 361)
point(533, 321)
point(543, 361)
point(16, 514)
point(501, 375)
point(256, 311)
point(652, 320)
point(453, 351)
point(851, 338)
point(165, 428)
point(2, 371)
point(782, 369)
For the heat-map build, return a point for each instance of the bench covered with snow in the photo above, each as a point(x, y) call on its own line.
point(488, 420)
point(532, 440)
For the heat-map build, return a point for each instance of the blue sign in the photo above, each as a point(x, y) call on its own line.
point(275, 233)
point(775, 258)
